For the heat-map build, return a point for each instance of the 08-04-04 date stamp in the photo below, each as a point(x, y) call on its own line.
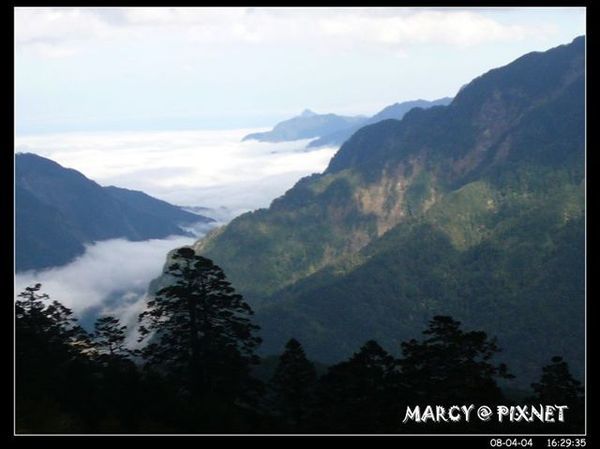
point(547, 442)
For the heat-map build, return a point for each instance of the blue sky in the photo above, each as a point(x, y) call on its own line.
point(114, 69)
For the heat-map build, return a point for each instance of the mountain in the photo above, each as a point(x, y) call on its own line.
point(394, 111)
point(333, 130)
point(475, 209)
point(305, 126)
point(58, 210)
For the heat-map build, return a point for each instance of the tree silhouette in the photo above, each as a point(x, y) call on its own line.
point(360, 394)
point(451, 365)
point(53, 324)
point(116, 374)
point(47, 336)
point(200, 331)
point(293, 386)
point(51, 363)
point(200, 353)
point(558, 387)
point(109, 339)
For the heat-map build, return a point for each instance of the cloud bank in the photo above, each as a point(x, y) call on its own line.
point(107, 267)
point(110, 278)
point(189, 168)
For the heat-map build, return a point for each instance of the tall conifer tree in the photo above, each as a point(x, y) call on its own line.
point(293, 385)
point(200, 330)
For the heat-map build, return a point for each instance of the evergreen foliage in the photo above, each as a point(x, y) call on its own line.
point(293, 386)
point(360, 395)
point(451, 364)
point(201, 332)
point(69, 381)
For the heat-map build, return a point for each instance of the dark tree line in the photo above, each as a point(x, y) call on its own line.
point(196, 372)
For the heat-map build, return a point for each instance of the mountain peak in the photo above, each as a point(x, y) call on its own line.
point(307, 113)
point(307, 125)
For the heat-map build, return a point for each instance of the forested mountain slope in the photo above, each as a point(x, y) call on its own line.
point(475, 209)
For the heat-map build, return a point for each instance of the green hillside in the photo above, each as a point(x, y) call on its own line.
point(475, 209)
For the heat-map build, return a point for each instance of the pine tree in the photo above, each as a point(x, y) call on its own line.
point(200, 330)
point(557, 385)
point(117, 376)
point(46, 336)
point(51, 325)
point(293, 385)
point(360, 394)
point(451, 365)
point(52, 364)
point(109, 340)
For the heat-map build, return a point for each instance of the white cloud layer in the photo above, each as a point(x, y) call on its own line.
point(189, 168)
point(110, 278)
point(54, 32)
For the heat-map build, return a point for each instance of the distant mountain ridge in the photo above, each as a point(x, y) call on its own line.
point(305, 126)
point(59, 210)
point(395, 111)
point(333, 130)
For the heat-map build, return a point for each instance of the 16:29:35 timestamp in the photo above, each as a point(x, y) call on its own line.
point(566, 442)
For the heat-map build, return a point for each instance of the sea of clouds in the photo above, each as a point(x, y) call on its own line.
point(110, 278)
point(188, 168)
point(196, 169)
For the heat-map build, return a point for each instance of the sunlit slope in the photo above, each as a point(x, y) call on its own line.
point(527, 115)
point(475, 209)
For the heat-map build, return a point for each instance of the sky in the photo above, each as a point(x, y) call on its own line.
point(128, 69)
